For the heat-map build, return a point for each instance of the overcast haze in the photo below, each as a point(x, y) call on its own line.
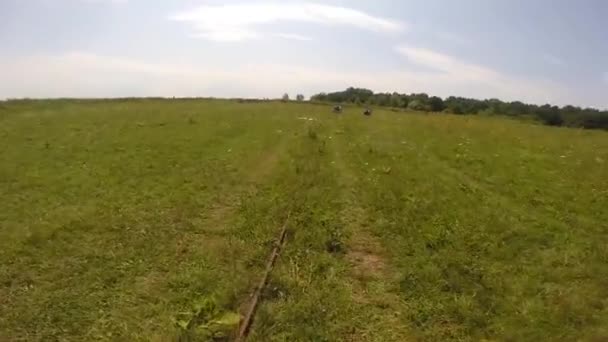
point(535, 51)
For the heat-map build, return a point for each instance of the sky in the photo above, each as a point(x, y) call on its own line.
point(541, 51)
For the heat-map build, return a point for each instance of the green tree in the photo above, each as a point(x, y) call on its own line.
point(300, 97)
point(436, 104)
point(383, 99)
point(285, 97)
point(416, 105)
point(396, 100)
point(550, 115)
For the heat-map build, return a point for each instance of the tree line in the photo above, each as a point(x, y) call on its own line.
point(570, 116)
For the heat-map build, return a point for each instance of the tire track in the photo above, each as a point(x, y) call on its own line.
point(372, 277)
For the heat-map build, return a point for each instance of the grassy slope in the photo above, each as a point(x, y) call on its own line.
point(124, 220)
point(119, 217)
point(497, 228)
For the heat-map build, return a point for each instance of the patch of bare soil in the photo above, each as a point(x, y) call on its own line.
point(366, 257)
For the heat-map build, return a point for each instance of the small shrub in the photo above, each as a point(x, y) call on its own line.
point(551, 118)
point(312, 133)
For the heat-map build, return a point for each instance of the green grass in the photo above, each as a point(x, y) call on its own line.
point(153, 219)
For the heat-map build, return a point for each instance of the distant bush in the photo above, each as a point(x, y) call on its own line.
point(416, 105)
point(552, 119)
point(570, 116)
point(312, 133)
point(436, 104)
point(550, 115)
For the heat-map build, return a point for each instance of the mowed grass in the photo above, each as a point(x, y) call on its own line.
point(153, 219)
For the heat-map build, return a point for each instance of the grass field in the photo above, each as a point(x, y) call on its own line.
point(152, 220)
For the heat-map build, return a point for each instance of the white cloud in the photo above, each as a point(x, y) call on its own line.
point(447, 64)
point(468, 79)
point(80, 74)
point(292, 36)
point(106, 1)
point(454, 38)
point(553, 60)
point(241, 21)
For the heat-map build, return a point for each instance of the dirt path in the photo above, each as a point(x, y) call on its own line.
point(374, 281)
